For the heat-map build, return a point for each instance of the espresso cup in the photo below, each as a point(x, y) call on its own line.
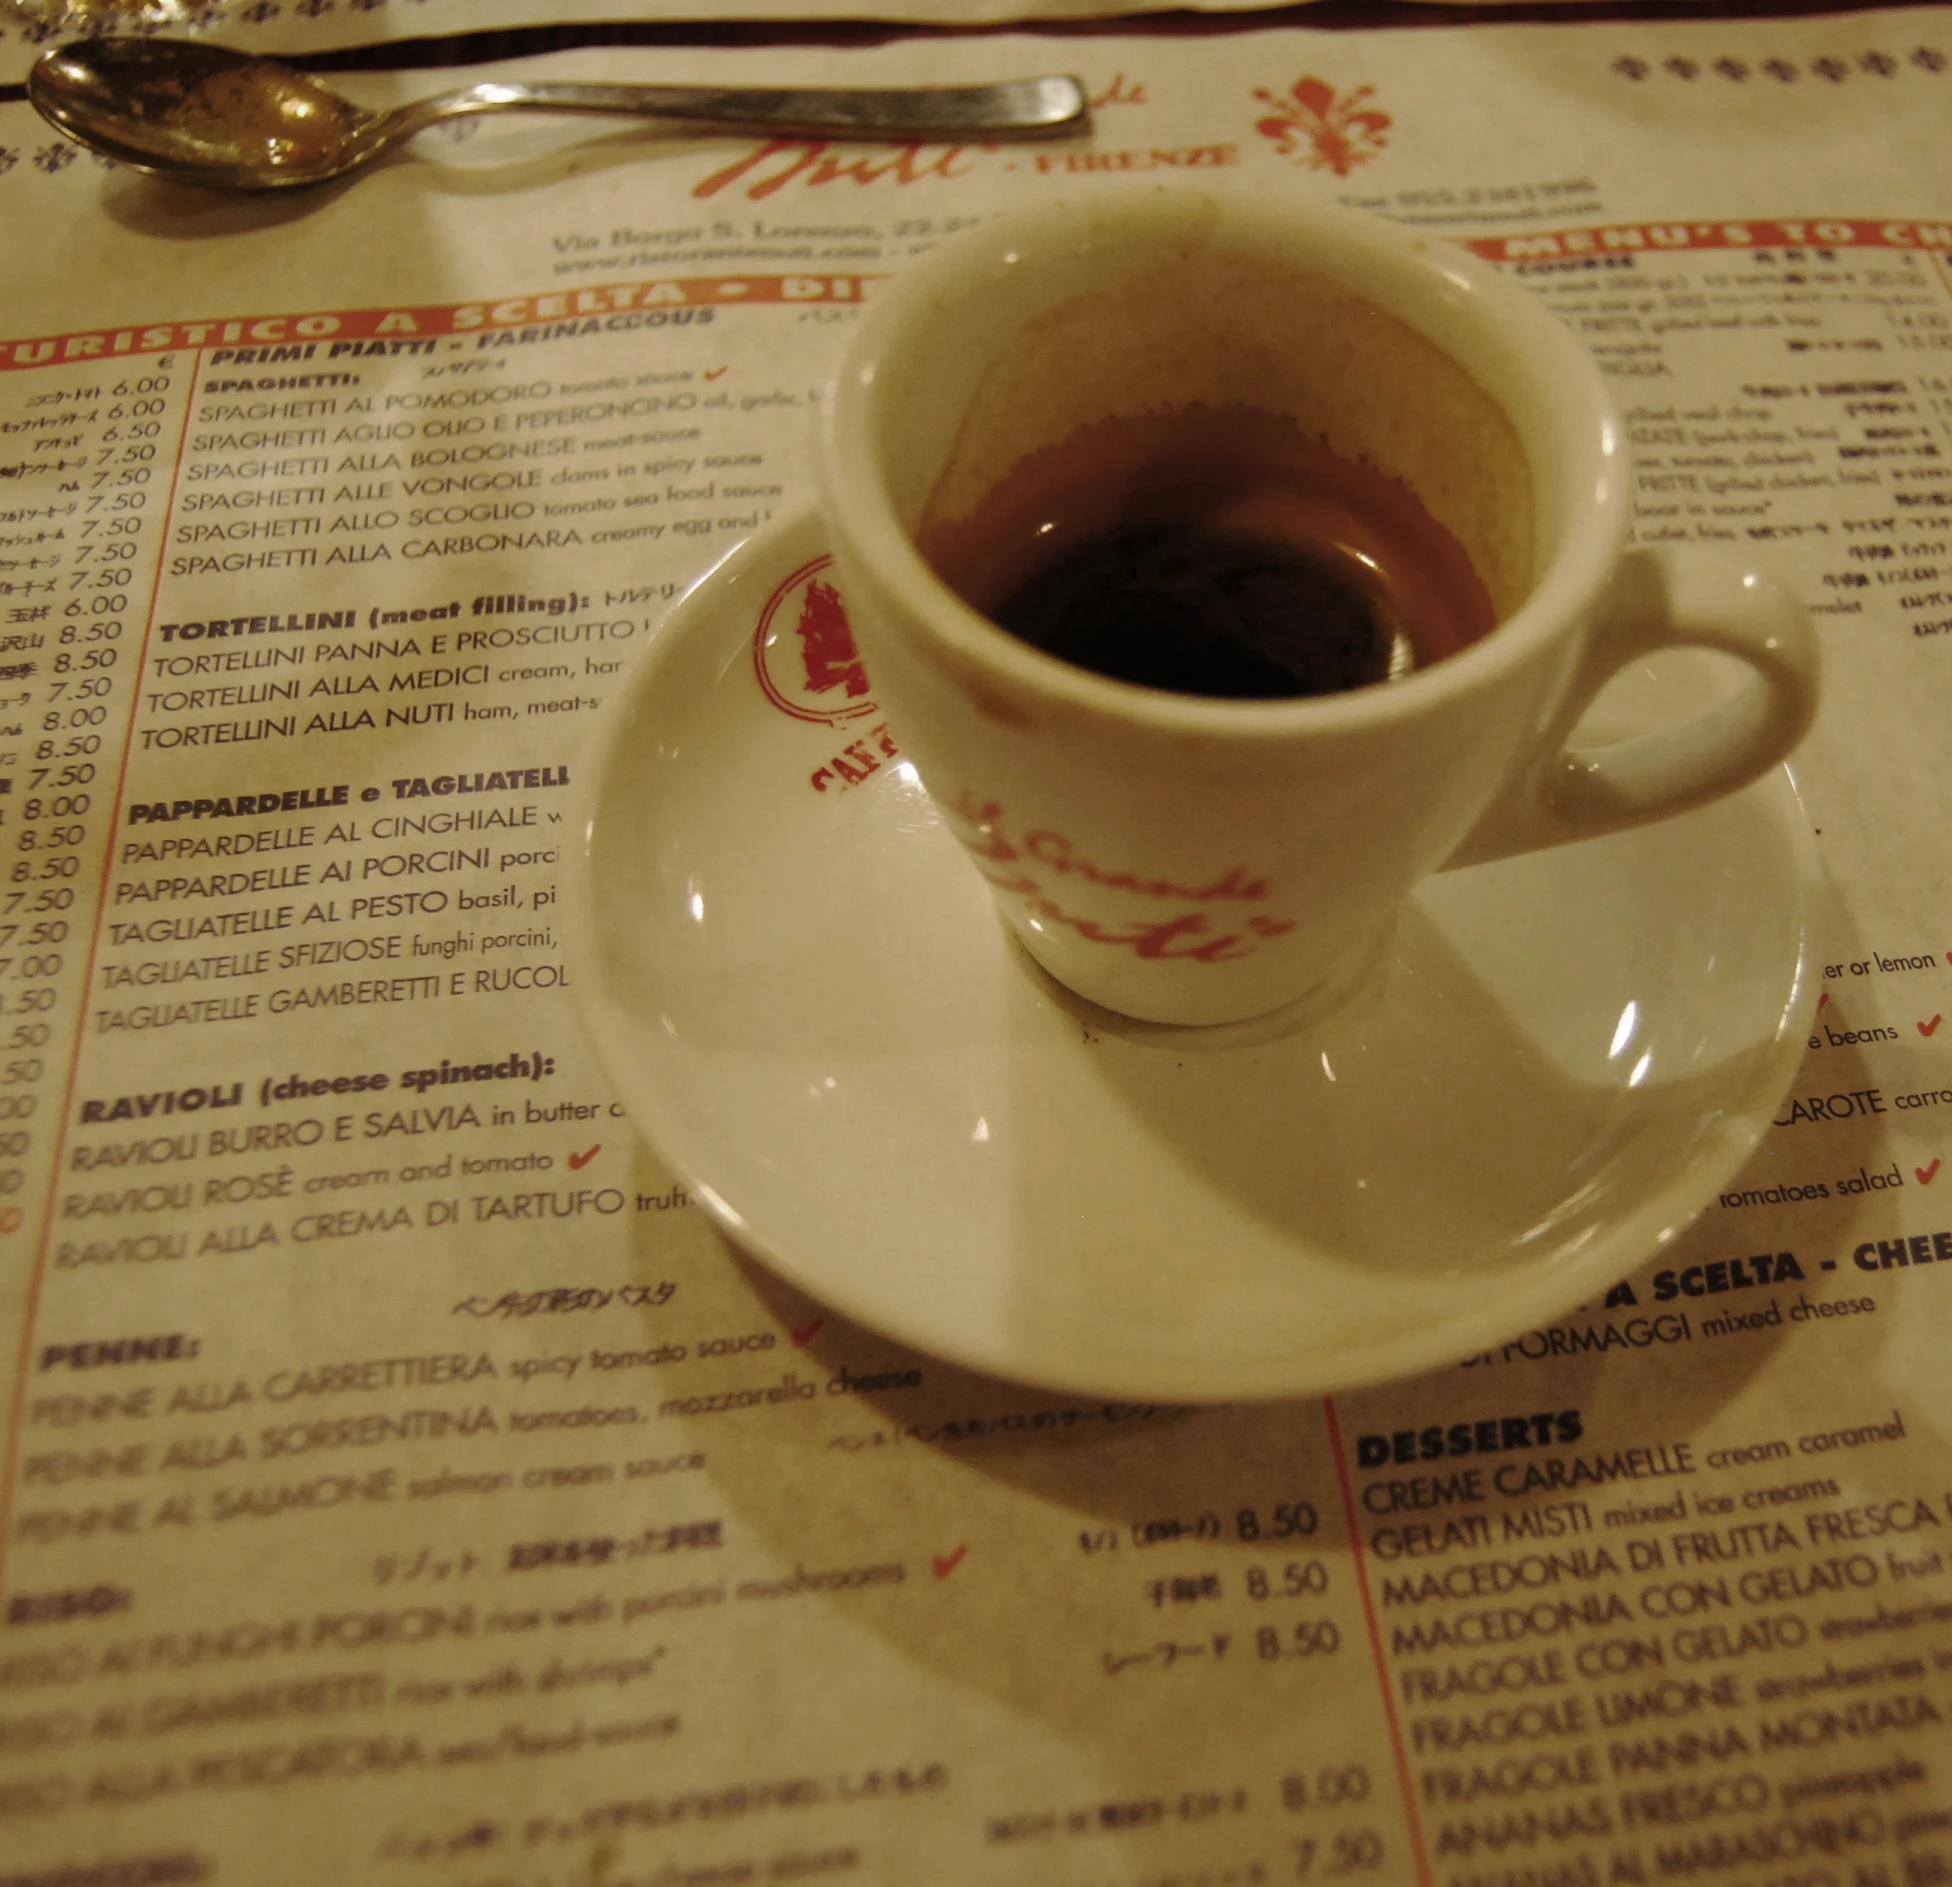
point(1139, 377)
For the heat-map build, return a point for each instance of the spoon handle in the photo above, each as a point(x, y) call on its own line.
point(1016, 108)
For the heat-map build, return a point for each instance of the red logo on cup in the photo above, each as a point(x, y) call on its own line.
point(1322, 129)
point(803, 650)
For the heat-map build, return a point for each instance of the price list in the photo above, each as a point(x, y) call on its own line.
point(86, 462)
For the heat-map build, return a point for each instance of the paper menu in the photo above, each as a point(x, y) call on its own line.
point(407, 1484)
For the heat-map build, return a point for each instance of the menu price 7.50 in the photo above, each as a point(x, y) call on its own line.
point(85, 546)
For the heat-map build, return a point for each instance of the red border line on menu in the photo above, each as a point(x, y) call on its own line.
point(348, 333)
point(1819, 232)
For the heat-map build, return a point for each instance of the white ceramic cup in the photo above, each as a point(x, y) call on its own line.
point(1190, 860)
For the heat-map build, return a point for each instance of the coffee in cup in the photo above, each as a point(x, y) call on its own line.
point(1384, 459)
point(1213, 552)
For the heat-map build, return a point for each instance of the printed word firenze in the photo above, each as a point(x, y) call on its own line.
point(1491, 1435)
point(241, 805)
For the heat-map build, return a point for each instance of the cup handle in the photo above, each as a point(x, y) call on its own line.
point(1663, 598)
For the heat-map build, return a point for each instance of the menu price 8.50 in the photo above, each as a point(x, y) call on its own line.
point(74, 611)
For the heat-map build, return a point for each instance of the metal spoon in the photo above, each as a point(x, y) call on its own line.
point(204, 114)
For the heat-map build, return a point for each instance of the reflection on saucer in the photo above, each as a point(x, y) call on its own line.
point(805, 1001)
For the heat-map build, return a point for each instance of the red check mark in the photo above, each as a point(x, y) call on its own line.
point(1822, 999)
point(715, 373)
point(803, 1334)
point(946, 1563)
point(577, 1161)
point(1931, 1027)
point(1926, 1174)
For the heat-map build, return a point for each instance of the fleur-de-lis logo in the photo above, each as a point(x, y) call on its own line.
point(1322, 129)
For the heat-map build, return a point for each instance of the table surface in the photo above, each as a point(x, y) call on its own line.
point(406, 1480)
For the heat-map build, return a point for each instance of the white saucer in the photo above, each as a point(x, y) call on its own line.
point(796, 982)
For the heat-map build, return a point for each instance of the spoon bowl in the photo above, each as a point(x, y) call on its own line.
point(205, 114)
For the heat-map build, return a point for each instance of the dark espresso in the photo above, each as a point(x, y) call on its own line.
point(1216, 554)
